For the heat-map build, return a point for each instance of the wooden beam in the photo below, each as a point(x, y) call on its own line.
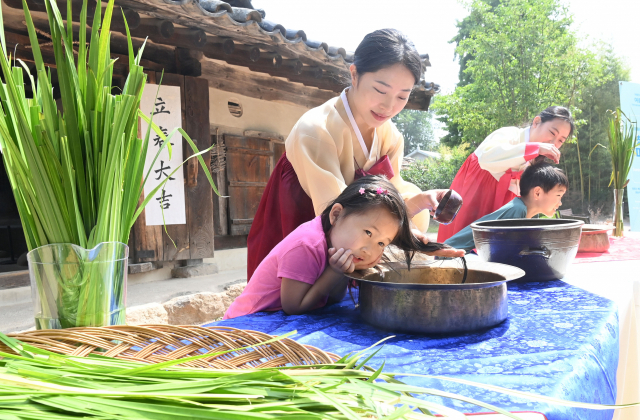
point(117, 22)
point(198, 192)
point(250, 51)
point(156, 30)
point(254, 85)
point(154, 57)
point(221, 45)
point(192, 38)
point(293, 65)
point(186, 64)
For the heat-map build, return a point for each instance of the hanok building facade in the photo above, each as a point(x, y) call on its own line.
point(244, 81)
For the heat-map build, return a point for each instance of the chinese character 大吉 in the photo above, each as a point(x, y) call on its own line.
point(164, 200)
point(160, 109)
point(162, 170)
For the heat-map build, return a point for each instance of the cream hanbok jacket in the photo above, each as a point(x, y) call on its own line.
point(322, 146)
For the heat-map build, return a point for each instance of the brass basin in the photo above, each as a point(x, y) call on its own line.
point(594, 238)
point(431, 299)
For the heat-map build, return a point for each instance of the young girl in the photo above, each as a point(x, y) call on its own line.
point(306, 269)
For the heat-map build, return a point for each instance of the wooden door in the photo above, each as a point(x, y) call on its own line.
point(249, 163)
point(193, 240)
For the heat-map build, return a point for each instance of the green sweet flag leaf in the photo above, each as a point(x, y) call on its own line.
point(76, 175)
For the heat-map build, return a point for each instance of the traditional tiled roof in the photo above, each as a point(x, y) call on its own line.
point(239, 20)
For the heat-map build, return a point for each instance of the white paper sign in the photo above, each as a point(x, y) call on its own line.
point(167, 112)
point(630, 105)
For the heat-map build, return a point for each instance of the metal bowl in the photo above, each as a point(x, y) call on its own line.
point(543, 248)
point(431, 299)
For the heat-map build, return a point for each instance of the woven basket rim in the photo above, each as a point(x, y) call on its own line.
point(156, 343)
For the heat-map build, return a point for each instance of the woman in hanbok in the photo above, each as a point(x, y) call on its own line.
point(490, 177)
point(347, 137)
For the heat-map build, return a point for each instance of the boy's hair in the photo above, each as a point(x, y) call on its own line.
point(543, 175)
point(375, 192)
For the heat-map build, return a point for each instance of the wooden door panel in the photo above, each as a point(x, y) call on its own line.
point(246, 166)
point(252, 143)
point(278, 151)
point(243, 204)
point(249, 165)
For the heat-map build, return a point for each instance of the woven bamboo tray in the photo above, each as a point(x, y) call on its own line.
point(160, 343)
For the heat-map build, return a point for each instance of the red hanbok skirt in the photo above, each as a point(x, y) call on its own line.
point(283, 207)
point(481, 194)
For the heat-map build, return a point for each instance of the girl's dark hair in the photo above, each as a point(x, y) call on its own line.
point(560, 113)
point(379, 193)
point(544, 175)
point(384, 48)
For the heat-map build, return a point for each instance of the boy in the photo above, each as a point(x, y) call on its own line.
point(541, 189)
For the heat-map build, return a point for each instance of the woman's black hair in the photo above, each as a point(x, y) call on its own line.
point(376, 192)
point(544, 175)
point(384, 48)
point(559, 113)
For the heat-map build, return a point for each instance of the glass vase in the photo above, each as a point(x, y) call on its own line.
point(618, 208)
point(76, 287)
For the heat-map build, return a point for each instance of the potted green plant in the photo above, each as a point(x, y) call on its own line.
point(77, 175)
point(622, 142)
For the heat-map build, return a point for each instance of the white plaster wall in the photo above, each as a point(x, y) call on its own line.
point(229, 259)
point(257, 114)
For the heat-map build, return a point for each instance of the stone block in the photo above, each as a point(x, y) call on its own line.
point(195, 309)
point(204, 269)
point(151, 313)
point(231, 293)
point(141, 268)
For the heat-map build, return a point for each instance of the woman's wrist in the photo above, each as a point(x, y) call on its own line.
point(426, 200)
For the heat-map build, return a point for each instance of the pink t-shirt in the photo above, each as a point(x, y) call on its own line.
point(301, 256)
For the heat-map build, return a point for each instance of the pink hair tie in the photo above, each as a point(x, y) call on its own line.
point(381, 191)
point(361, 190)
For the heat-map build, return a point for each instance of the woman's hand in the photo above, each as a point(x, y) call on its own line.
point(449, 253)
point(426, 200)
point(550, 151)
point(341, 260)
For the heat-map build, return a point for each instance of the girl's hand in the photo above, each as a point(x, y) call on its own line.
point(550, 151)
point(449, 253)
point(341, 260)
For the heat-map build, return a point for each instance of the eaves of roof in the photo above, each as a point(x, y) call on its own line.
point(219, 18)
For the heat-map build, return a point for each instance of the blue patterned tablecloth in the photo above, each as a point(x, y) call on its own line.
point(559, 341)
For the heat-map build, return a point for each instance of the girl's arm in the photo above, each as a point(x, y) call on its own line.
point(298, 297)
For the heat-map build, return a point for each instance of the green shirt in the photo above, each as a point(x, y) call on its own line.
point(515, 209)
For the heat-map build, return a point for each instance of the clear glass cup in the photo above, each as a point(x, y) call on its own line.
point(76, 287)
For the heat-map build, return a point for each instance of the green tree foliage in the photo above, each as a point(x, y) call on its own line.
point(465, 27)
point(416, 128)
point(519, 57)
point(591, 191)
point(431, 174)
